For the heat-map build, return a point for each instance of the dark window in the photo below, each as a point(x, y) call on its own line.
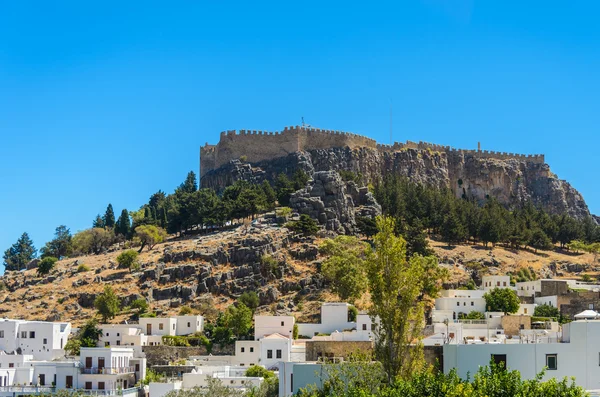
point(118, 334)
point(364, 327)
point(278, 353)
point(42, 380)
point(251, 350)
point(11, 365)
point(88, 385)
point(552, 361)
point(88, 362)
point(45, 341)
point(32, 334)
point(69, 381)
point(282, 323)
point(189, 324)
point(1, 334)
point(269, 353)
point(106, 344)
point(118, 343)
point(100, 385)
point(242, 349)
point(499, 359)
point(292, 382)
point(137, 368)
point(472, 303)
point(522, 326)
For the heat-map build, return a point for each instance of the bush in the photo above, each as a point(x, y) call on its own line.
point(184, 310)
point(546, 310)
point(148, 315)
point(83, 268)
point(140, 305)
point(250, 299)
point(127, 259)
point(306, 226)
point(474, 315)
point(352, 313)
point(171, 340)
point(259, 372)
point(46, 265)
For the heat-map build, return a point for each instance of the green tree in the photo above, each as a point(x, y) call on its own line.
point(539, 240)
point(283, 189)
point(305, 225)
point(109, 217)
point(46, 265)
point(73, 346)
point(259, 372)
point(453, 231)
point(123, 226)
point(128, 259)
point(189, 185)
point(107, 303)
point(60, 246)
point(416, 240)
point(366, 225)
point(150, 235)
point(98, 222)
point(474, 315)
point(345, 266)
point(398, 288)
point(140, 304)
point(239, 319)
point(546, 310)
point(19, 254)
point(250, 299)
point(92, 241)
point(269, 193)
point(502, 300)
point(185, 310)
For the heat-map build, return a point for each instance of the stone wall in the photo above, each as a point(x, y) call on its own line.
point(256, 146)
point(434, 355)
point(512, 324)
point(578, 302)
point(553, 287)
point(320, 348)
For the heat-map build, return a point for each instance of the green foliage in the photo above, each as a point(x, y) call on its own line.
point(123, 226)
point(305, 226)
point(502, 300)
point(83, 268)
point(250, 299)
point(586, 278)
point(140, 304)
point(185, 310)
point(127, 259)
point(72, 346)
point(546, 310)
point(239, 319)
point(172, 340)
point(109, 217)
point(474, 315)
point(366, 225)
point(148, 315)
point(345, 266)
point(92, 241)
point(150, 235)
point(525, 274)
point(295, 331)
point(349, 176)
point(46, 265)
point(214, 388)
point(19, 254)
point(259, 372)
point(190, 185)
point(87, 336)
point(398, 287)
point(107, 303)
point(151, 376)
point(60, 246)
point(352, 313)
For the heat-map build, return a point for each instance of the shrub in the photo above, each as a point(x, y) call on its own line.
point(46, 265)
point(127, 259)
point(83, 268)
point(171, 340)
point(305, 226)
point(259, 372)
point(148, 315)
point(185, 310)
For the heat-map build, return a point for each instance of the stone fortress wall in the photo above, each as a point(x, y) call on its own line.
point(254, 146)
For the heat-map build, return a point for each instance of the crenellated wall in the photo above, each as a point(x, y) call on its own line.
point(255, 146)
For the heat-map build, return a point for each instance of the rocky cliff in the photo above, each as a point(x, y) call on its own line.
point(510, 180)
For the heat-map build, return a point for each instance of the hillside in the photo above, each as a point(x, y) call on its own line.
point(208, 272)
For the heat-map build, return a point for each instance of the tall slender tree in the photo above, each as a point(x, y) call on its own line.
point(124, 224)
point(109, 217)
point(190, 185)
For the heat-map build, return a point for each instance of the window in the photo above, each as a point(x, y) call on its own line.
point(118, 334)
point(45, 341)
point(160, 326)
point(118, 343)
point(497, 283)
point(173, 327)
point(251, 350)
point(524, 310)
point(504, 283)
point(101, 386)
point(242, 349)
point(107, 334)
point(521, 326)
point(137, 368)
point(269, 353)
point(11, 365)
point(457, 303)
point(552, 361)
point(282, 323)
point(472, 303)
point(364, 327)
point(88, 385)
point(1, 334)
point(189, 324)
point(69, 381)
point(32, 334)
point(499, 359)
point(24, 334)
point(292, 382)
point(278, 353)
point(242, 365)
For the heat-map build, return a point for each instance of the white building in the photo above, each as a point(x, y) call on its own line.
point(275, 348)
point(267, 325)
point(458, 303)
point(334, 317)
point(109, 368)
point(187, 325)
point(41, 339)
point(577, 356)
point(491, 282)
point(158, 326)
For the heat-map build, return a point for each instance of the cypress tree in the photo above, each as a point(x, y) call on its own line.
point(124, 224)
point(109, 217)
point(189, 185)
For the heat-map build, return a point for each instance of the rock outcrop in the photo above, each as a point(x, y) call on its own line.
point(510, 180)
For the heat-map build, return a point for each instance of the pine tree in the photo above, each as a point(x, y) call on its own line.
point(98, 222)
point(109, 217)
point(189, 185)
point(60, 246)
point(124, 224)
point(19, 254)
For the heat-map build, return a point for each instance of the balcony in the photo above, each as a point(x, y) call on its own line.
point(107, 370)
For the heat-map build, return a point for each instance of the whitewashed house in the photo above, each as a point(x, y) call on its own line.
point(491, 282)
point(334, 317)
point(109, 368)
point(267, 325)
point(165, 326)
point(42, 339)
point(187, 325)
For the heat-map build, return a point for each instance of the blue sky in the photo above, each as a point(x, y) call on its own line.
point(109, 102)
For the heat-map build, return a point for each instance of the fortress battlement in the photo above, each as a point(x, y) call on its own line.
point(258, 145)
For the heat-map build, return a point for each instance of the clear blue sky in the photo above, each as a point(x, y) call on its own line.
point(110, 102)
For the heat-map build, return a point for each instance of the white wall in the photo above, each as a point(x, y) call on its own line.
point(274, 345)
point(161, 389)
point(460, 305)
point(247, 353)
point(187, 325)
point(267, 325)
point(334, 317)
point(547, 300)
point(169, 326)
point(491, 282)
point(44, 340)
point(526, 309)
point(529, 288)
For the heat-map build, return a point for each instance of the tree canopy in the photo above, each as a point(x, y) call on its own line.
point(19, 254)
point(502, 300)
